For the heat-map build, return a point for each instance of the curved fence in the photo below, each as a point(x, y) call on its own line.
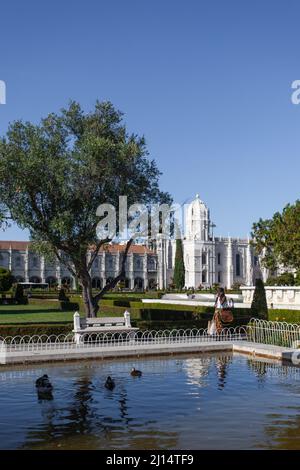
point(115, 340)
point(274, 333)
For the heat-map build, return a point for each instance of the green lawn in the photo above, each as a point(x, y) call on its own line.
point(35, 312)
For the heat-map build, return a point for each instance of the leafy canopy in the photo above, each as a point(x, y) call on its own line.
point(278, 239)
point(54, 175)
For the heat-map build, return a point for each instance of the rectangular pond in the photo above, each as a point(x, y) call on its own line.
point(207, 401)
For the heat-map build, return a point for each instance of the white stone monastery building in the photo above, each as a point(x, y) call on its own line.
point(208, 259)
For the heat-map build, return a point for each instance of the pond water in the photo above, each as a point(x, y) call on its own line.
point(215, 401)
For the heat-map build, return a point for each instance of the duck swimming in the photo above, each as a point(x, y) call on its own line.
point(135, 373)
point(110, 384)
point(43, 385)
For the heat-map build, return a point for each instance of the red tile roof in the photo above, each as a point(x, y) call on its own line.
point(113, 248)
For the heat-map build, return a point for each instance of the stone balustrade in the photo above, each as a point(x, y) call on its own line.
point(277, 296)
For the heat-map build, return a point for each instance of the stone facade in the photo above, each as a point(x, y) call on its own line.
point(208, 260)
point(27, 266)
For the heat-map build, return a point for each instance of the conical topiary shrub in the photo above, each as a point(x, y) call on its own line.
point(259, 307)
point(179, 269)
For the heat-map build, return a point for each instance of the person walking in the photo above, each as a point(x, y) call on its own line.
point(222, 316)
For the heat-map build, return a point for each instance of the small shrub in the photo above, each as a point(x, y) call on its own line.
point(259, 307)
point(69, 306)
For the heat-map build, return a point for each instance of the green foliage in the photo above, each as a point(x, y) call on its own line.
point(179, 268)
point(6, 279)
point(62, 297)
point(259, 307)
point(54, 175)
point(67, 306)
point(289, 316)
point(278, 239)
point(297, 278)
point(285, 279)
point(18, 294)
point(35, 329)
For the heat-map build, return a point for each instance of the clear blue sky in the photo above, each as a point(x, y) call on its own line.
point(207, 82)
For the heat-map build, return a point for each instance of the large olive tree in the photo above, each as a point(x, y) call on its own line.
point(54, 175)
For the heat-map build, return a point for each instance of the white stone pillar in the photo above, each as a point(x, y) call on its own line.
point(229, 265)
point(10, 259)
point(127, 319)
point(58, 272)
point(145, 270)
point(77, 327)
point(43, 269)
point(249, 269)
point(27, 265)
point(131, 270)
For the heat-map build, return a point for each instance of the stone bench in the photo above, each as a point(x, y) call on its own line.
point(101, 325)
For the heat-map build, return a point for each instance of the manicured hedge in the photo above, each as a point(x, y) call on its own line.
point(35, 329)
point(69, 306)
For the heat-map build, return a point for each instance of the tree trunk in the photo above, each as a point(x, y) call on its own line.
point(90, 306)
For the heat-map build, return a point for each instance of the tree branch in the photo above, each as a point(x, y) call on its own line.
point(118, 278)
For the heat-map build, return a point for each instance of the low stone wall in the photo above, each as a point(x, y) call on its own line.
point(285, 297)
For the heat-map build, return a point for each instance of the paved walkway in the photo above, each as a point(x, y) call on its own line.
point(61, 352)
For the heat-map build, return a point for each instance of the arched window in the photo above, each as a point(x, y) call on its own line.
point(96, 283)
point(139, 282)
point(219, 277)
point(204, 276)
point(219, 258)
point(152, 264)
point(204, 258)
point(51, 280)
point(138, 263)
point(238, 264)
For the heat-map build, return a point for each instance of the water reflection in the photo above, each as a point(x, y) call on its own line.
point(222, 364)
point(179, 403)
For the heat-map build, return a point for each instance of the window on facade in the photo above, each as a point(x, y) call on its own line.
point(203, 276)
point(204, 258)
point(35, 262)
point(18, 261)
point(219, 258)
point(238, 264)
point(138, 264)
point(219, 276)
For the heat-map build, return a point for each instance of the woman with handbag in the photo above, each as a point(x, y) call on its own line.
point(223, 315)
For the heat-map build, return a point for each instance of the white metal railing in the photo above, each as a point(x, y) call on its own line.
point(118, 340)
point(274, 333)
point(257, 331)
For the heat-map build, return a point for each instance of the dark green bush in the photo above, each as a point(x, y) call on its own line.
point(35, 329)
point(62, 295)
point(69, 306)
point(6, 279)
point(259, 307)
